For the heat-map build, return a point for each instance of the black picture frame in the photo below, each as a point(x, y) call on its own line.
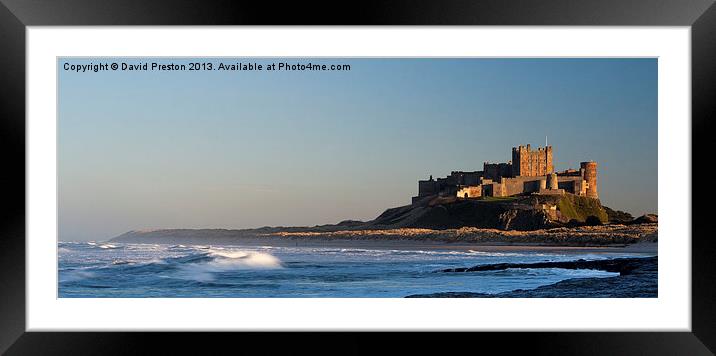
point(16, 15)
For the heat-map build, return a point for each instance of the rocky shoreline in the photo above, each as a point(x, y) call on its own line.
point(578, 236)
point(638, 278)
point(601, 235)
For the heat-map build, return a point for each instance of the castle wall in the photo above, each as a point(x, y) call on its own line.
point(512, 186)
point(446, 186)
point(519, 185)
point(551, 192)
point(567, 186)
point(494, 189)
point(427, 187)
point(580, 187)
point(572, 184)
point(570, 173)
point(472, 179)
point(466, 178)
point(470, 192)
point(531, 186)
point(498, 190)
point(495, 171)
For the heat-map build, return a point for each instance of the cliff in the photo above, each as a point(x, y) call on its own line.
point(509, 213)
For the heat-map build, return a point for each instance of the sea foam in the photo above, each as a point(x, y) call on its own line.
point(223, 260)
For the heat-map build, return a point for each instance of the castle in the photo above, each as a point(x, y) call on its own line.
point(529, 172)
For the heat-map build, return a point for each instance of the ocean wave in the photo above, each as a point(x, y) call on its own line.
point(245, 258)
point(408, 254)
point(495, 254)
point(122, 262)
point(203, 266)
point(75, 275)
point(145, 247)
point(467, 253)
point(108, 246)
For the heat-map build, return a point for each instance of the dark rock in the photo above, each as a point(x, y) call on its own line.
point(517, 213)
point(592, 221)
point(350, 223)
point(622, 265)
point(618, 216)
point(646, 219)
point(638, 278)
point(452, 295)
point(573, 223)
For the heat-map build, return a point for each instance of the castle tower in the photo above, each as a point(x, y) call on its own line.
point(552, 182)
point(526, 162)
point(590, 176)
point(548, 159)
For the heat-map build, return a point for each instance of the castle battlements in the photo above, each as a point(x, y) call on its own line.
point(529, 172)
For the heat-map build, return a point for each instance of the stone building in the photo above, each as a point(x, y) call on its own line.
point(529, 172)
point(531, 163)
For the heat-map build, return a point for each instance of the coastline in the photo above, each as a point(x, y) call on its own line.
point(632, 238)
point(583, 255)
point(640, 247)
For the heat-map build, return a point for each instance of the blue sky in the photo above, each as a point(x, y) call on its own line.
point(213, 149)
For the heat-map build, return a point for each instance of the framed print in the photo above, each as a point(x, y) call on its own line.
point(482, 167)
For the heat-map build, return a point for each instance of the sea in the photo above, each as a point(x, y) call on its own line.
point(126, 270)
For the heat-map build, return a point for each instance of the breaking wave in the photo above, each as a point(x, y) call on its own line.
point(108, 246)
point(206, 265)
point(189, 263)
